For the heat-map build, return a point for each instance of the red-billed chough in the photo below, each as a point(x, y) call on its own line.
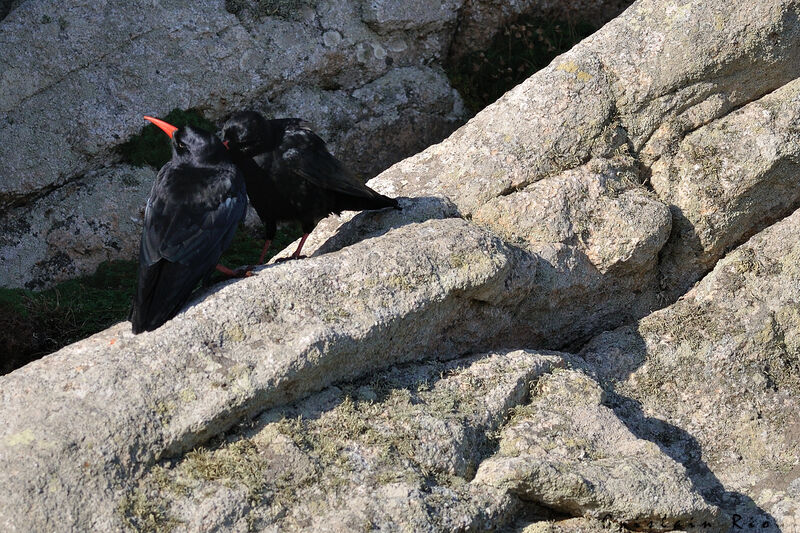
point(195, 205)
point(291, 175)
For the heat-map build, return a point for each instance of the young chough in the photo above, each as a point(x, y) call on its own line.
point(291, 175)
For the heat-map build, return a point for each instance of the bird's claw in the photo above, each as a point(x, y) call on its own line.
point(290, 258)
point(244, 272)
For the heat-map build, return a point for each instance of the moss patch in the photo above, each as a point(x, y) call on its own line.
point(375, 432)
point(152, 147)
point(139, 512)
point(240, 462)
point(521, 48)
point(33, 324)
point(268, 8)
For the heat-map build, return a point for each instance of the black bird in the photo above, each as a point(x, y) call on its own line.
point(197, 201)
point(291, 175)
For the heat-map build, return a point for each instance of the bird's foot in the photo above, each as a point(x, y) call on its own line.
point(241, 272)
point(244, 272)
point(291, 257)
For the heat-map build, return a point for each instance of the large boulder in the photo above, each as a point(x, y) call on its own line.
point(543, 223)
point(728, 179)
point(83, 74)
point(367, 75)
point(714, 379)
point(568, 452)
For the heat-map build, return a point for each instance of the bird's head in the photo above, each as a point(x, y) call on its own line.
point(246, 131)
point(192, 143)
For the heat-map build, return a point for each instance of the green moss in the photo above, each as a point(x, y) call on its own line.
point(33, 324)
point(144, 514)
point(152, 147)
point(519, 49)
point(709, 159)
point(239, 462)
point(164, 411)
point(369, 432)
point(268, 8)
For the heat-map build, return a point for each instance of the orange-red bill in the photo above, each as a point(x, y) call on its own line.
point(225, 144)
point(166, 127)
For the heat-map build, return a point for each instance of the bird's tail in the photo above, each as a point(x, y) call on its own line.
point(162, 290)
point(361, 203)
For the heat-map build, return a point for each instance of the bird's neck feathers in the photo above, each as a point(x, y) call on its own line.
point(263, 137)
point(206, 156)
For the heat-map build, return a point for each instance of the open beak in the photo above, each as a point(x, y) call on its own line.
point(167, 128)
point(225, 144)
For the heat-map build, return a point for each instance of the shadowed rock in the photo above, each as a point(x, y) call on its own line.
point(714, 379)
point(568, 452)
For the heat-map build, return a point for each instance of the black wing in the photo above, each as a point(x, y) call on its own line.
point(305, 154)
point(190, 219)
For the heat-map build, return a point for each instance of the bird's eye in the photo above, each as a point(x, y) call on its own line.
point(181, 145)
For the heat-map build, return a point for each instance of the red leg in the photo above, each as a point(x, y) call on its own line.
point(296, 254)
point(264, 251)
point(238, 273)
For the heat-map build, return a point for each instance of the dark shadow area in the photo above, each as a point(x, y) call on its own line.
point(7, 6)
point(682, 447)
point(519, 49)
point(619, 362)
point(370, 224)
point(677, 275)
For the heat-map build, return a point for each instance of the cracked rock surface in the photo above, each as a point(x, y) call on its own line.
point(398, 379)
point(395, 450)
point(715, 379)
point(566, 451)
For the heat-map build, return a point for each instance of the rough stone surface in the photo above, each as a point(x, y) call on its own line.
point(393, 452)
point(77, 98)
point(568, 452)
point(539, 224)
point(593, 230)
point(75, 228)
point(714, 379)
point(728, 179)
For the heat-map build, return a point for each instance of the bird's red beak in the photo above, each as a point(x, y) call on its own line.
point(225, 144)
point(167, 128)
